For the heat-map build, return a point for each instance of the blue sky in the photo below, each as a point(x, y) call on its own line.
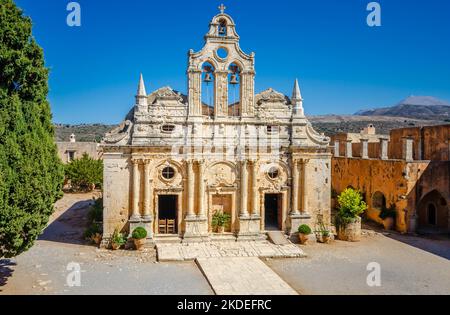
point(342, 64)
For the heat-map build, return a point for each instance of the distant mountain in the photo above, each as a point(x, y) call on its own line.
point(419, 107)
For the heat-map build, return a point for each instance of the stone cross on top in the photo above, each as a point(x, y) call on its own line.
point(222, 8)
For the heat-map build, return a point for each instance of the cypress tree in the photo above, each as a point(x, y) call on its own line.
point(31, 174)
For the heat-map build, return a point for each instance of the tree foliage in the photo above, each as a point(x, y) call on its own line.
point(31, 174)
point(351, 205)
point(85, 174)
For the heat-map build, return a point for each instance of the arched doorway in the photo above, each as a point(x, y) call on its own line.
point(433, 213)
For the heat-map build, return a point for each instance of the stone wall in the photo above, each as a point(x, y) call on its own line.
point(78, 149)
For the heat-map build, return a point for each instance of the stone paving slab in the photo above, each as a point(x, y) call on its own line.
point(193, 251)
point(242, 276)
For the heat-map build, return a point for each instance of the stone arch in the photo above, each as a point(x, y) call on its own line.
point(378, 201)
point(234, 88)
point(433, 207)
point(227, 171)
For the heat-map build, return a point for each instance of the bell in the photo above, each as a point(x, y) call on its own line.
point(222, 30)
point(234, 79)
point(207, 78)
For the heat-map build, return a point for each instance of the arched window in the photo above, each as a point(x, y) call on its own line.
point(378, 201)
point(234, 90)
point(208, 78)
point(431, 214)
point(222, 28)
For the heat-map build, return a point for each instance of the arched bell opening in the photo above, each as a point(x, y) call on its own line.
point(234, 90)
point(222, 28)
point(208, 90)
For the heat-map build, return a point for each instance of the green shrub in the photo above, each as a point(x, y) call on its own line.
point(139, 233)
point(31, 174)
point(304, 229)
point(96, 212)
point(390, 212)
point(220, 219)
point(85, 174)
point(118, 238)
point(351, 206)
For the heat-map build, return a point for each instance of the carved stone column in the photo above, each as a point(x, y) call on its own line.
point(365, 148)
point(255, 195)
point(295, 189)
point(348, 149)
point(408, 147)
point(201, 190)
point(136, 216)
point(299, 187)
point(304, 186)
point(195, 90)
point(148, 193)
point(384, 144)
point(244, 189)
point(247, 93)
point(190, 189)
point(221, 94)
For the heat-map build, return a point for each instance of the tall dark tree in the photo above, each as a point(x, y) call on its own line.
point(31, 174)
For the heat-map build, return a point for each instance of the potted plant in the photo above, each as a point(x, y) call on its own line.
point(323, 234)
point(139, 235)
point(220, 220)
point(117, 240)
point(348, 220)
point(303, 233)
point(388, 216)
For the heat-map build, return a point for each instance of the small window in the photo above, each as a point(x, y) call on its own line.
point(168, 173)
point(70, 156)
point(273, 129)
point(222, 53)
point(168, 128)
point(273, 173)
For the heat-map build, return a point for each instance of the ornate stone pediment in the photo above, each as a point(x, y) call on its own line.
point(270, 96)
point(221, 174)
point(165, 94)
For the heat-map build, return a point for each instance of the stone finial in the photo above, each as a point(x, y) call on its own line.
point(141, 88)
point(141, 96)
point(297, 100)
point(222, 8)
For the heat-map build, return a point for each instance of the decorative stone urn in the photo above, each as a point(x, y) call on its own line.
point(351, 232)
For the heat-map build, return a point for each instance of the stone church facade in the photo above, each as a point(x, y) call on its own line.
point(176, 160)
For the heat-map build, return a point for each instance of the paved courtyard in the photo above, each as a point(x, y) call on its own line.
point(409, 265)
point(242, 276)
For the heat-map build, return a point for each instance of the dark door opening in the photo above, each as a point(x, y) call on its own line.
point(167, 214)
point(272, 208)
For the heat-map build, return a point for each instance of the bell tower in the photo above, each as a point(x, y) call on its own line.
point(221, 63)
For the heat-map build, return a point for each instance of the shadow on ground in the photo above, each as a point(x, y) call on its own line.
point(70, 225)
point(5, 271)
point(437, 244)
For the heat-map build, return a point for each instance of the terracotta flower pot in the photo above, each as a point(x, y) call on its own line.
point(351, 232)
point(303, 238)
point(388, 224)
point(220, 229)
point(115, 246)
point(325, 239)
point(139, 244)
point(97, 238)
